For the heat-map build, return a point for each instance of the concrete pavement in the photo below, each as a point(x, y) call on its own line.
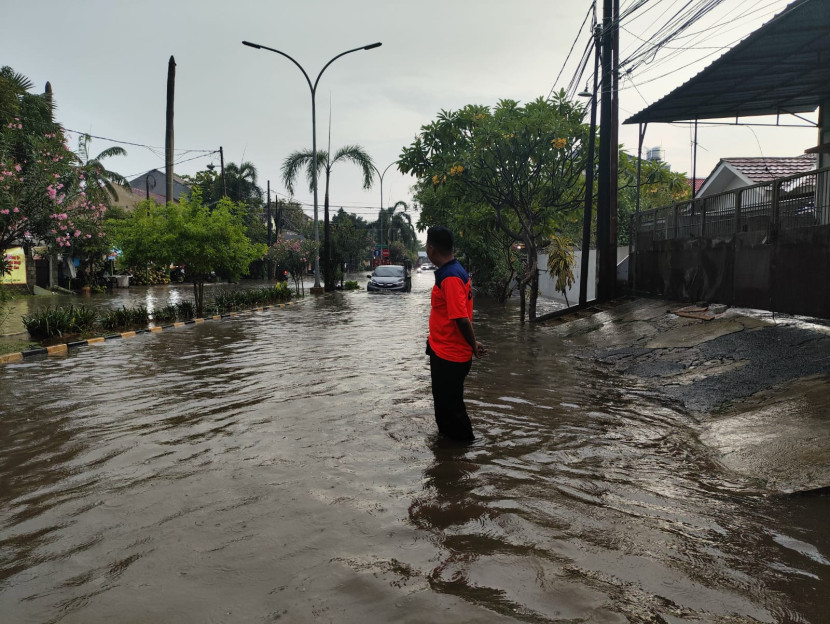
point(757, 384)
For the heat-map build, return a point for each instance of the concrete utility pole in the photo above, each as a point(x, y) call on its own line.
point(222, 171)
point(270, 231)
point(608, 156)
point(168, 140)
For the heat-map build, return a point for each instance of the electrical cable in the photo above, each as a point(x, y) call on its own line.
point(150, 147)
point(573, 45)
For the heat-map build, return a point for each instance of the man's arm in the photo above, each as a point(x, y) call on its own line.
point(465, 326)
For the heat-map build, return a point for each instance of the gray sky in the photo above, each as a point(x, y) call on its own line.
point(107, 62)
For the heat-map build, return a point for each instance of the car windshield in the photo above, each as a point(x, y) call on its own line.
point(389, 271)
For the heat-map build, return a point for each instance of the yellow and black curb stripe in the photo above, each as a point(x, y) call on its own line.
point(64, 348)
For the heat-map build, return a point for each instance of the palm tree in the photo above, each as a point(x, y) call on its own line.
point(241, 182)
point(398, 226)
point(325, 162)
point(98, 179)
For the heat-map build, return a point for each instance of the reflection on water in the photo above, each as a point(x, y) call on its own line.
point(283, 465)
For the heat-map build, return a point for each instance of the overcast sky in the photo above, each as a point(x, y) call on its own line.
point(107, 62)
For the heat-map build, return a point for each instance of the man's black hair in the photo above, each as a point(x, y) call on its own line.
point(441, 238)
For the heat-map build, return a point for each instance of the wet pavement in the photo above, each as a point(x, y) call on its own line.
point(282, 466)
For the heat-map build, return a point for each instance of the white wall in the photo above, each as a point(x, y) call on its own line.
point(547, 285)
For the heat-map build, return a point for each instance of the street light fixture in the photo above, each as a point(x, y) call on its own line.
point(313, 88)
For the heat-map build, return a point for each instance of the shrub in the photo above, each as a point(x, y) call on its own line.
point(185, 310)
point(166, 314)
point(125, 318)
point(60, 320)
point(351, 285)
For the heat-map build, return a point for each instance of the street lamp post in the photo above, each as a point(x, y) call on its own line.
point(589, 179)
point(313, 88)
point(380, 177)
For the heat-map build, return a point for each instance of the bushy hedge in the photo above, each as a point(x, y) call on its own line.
point(227, 300)
point(60, 320)
point(125, 318)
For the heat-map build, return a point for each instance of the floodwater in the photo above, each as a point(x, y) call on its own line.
point(282, 466)
point(151, 297)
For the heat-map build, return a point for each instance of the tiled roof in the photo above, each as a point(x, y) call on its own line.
point(765, 169)
point(696, 183)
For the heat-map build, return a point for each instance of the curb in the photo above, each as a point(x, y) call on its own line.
point(64, 348)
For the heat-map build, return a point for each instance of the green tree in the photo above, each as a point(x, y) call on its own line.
point(560, 261)
point(659, 186)
point(487, 251)
point(524, 163)
point(295, 256)
point(42, 194)
point(397, 226)
point(300, 160)
point(205, 240)
point(97, 181)
point(350, 240)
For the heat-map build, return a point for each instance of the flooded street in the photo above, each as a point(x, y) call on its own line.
point(282, 466)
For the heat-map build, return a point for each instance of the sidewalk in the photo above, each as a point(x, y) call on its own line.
point(758, 385)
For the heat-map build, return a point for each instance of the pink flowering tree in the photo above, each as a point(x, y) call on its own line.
point(48, 194)
point(295, 256)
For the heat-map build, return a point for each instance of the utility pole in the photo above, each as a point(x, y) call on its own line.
point(168, 141)
point(615, 143)
point(589, 179)
point(270, 231)
point(608, 155)
point(222, 170)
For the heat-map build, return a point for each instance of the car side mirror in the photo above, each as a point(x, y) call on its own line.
point(369, 276)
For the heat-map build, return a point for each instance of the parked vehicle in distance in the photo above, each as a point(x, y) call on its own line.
point(428, 266)
point(389, 278)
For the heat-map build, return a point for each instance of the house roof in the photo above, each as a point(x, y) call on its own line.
point(763, 169)
point(696, 183)
point(783, 67)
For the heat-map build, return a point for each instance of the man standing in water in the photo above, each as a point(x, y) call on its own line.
point(452, 342)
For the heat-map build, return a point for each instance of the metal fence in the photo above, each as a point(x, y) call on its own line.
point(786, 203)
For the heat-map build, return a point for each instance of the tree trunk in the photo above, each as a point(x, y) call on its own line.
point(534, 294)
point(532, 278)
point(522, 301)
point(199, 295)
point(328, 274)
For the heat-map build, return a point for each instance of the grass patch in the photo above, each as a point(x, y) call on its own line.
point(15, 346)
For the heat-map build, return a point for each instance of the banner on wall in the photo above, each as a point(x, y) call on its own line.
point(16, 259)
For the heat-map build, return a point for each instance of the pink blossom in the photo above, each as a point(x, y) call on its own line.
point(77, 233)
point(4, 211)
point(27, 234)
point(16, 209)
point(18, 168)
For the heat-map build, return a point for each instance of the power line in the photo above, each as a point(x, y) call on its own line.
point(149, 147)
point(573, 45)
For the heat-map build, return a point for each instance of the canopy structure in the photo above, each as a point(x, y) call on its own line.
point(781, 68)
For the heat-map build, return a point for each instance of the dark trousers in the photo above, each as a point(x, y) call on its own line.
point(448, 397)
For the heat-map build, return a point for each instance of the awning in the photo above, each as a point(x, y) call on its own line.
point(783, 67)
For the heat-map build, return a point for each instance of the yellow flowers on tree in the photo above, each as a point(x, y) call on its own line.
point(523, 164)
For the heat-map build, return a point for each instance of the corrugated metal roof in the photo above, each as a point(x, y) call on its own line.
point(783, 67)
